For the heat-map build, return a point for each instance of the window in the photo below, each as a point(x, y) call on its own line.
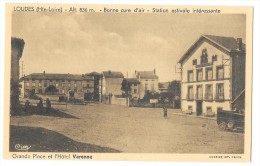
point(75, 85)
point(190, 76)
point(63, 91)
point(209, 74)
point(209, 109)
point(62, 84)
point(40, 84)
point(199, 75)
point(45, 84)
point(220, 92)
point(68, 85)
point(27, 84)
point(146, 87)
point(33, 84)
point(208, 92)
point(194, 62)
point(220, 72)
point(219, 109)
point(57, 85)
point(40, 91)
point(152, 87)
point(190, 108)
point(204, 56)
point(190, 93)
point(135, 90)
point(87, 85)
point(199, 92)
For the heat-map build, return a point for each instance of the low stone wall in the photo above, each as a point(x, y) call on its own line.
point(54, 97)
point(119, 101)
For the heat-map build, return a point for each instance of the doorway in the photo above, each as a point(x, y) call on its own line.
point(199, 108)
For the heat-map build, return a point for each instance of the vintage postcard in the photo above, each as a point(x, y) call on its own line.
point(128, 82)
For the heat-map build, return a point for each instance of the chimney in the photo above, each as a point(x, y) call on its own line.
point(239, 44)
point(43, 73)
point(154, 71)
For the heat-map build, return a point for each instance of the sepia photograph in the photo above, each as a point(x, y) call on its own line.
point(85, 81)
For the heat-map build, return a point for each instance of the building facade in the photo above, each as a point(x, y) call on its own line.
point(17, 46)
point(134, 86)
point(40, 83)
point(213, 74)
point(97, 85)
point(111, 83)
point(148, 82)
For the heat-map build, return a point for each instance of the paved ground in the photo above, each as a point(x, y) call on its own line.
point(111, 128)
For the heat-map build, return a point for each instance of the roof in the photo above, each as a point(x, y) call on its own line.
point(146, 74)
point(94, 74)
point(132, 80)
point(228, 44)
point(53, 76)
point(113, 74)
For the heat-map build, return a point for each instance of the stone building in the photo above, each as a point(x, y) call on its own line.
point(135, 87)
point(66, 84)
point(148, 82)
point(111, 82)
point(17, 46)
point(213, 75)
point(97, 85)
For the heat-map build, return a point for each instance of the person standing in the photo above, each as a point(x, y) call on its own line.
point(164, 112)
point(165, 108)
point(40, 105)
point(48, 105)
point(26, 106)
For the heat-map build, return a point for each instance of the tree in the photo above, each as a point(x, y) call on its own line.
point(175, 90)
point(126, 87)
point(175, 87)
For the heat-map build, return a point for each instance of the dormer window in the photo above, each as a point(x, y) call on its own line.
point(204, 56)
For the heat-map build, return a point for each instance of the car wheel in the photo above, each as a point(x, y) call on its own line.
point(222, 126)
point(230, 124)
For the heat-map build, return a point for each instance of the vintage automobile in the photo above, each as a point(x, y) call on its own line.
point(230, 120)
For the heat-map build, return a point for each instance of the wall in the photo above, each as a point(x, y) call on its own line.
point(149, 86)
point(119, 101)
point(226, 105)
point(238, 74)
point(112, 85)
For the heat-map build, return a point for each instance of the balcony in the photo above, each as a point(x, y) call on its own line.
point(209, 97)
point(204, 65)
point(190, 97)
point(199, 96)
point(219, 97)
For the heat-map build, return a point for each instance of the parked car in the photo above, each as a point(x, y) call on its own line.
point(230, 120)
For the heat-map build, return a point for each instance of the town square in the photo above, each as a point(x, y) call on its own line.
point(128, 83)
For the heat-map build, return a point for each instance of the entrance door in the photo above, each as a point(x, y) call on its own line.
point(199, 108)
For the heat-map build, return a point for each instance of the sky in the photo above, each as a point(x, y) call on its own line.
point(82, 43)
